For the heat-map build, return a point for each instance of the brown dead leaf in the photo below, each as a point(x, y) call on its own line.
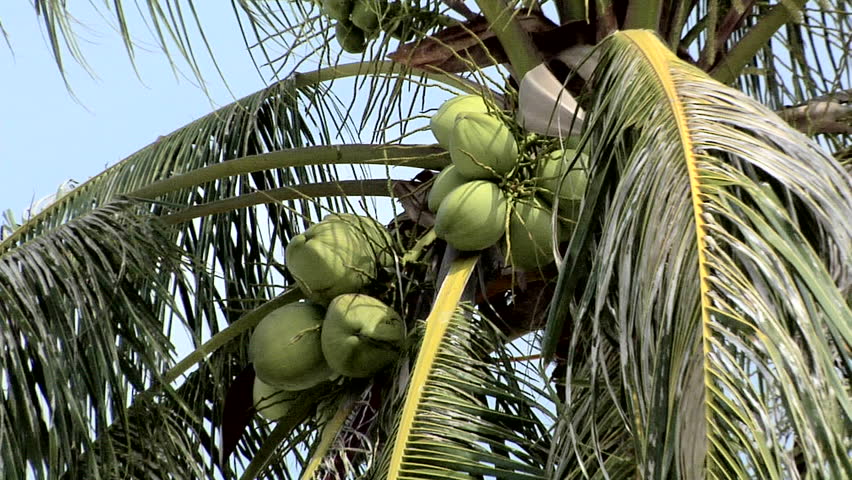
point(413, 197)
point(460, 47)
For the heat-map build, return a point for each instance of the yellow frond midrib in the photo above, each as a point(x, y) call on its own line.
point(660, 59)
point(437, 322)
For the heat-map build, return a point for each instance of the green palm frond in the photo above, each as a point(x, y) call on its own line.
point(783, 54)
point(264, 121)
point(82, 332)
point(281, 38)
point(591, 438)
point(721, 277)
point(255, 147)
point(804, 58)
point(265, 131)
point(163, 429)
point(467, 411)
point(447, 301)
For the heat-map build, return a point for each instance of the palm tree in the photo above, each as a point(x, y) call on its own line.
point(696, 324)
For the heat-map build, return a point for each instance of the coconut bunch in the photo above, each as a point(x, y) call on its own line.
point(493, 192)
point(303, 344)
point(338, 331)
point(358, 21)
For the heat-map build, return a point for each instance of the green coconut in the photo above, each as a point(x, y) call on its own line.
point(444, 183)
point(331, 258)
point(444, 119)
point(271, 402)
point(338, 9)
point(380, 241)
point(553, 175)
point(286, 348)
point(398, 27)
point(531, 234)
point(482, 146)
point(366, 15)
point(361, 335)
point(472, 216)
point(351, 38)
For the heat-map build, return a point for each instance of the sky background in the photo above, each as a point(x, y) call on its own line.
point(47, 136)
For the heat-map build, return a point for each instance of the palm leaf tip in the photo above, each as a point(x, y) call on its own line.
point(727, 224)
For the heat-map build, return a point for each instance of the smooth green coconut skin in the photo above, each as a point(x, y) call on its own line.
point(381, 242)
point(530, 234)
point(351, 38)
point(331, 258)
point(366, 15)
point(482, 146)
point(443, 121)
point(551, 173)
point(286, 348)
point(361, 335)
point(338, 9)
point(472, 216)
point(397, 23)
point(271, 402)
point(444, 183)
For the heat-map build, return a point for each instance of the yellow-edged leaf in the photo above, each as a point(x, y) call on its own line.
point(436, 326)
point(721, 268)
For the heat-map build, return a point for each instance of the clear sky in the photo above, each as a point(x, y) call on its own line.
point(47, 136)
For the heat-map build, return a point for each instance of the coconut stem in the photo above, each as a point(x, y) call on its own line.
point(515, 41)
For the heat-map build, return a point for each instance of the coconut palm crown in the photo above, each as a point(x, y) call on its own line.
point(694, 321)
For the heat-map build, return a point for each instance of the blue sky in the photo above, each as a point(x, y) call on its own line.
point(47, 136)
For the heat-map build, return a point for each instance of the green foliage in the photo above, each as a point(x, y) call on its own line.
point(700, 325)
point(82, 331)
point(720, 270)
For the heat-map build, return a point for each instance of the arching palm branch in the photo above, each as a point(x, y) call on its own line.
point(698, 320)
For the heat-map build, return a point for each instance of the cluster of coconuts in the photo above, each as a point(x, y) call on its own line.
point(358, 21)
point(485, 196)
point(337, 331)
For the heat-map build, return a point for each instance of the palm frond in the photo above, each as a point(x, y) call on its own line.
point(445, 304)
point(482, 412)
point(82, 332)
point(721, 276)
point(467, 410)
point(236, 264)
point(160, 430)
point(803, 60)
point(265, 121)
point(282, 38)
point(590, 438)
